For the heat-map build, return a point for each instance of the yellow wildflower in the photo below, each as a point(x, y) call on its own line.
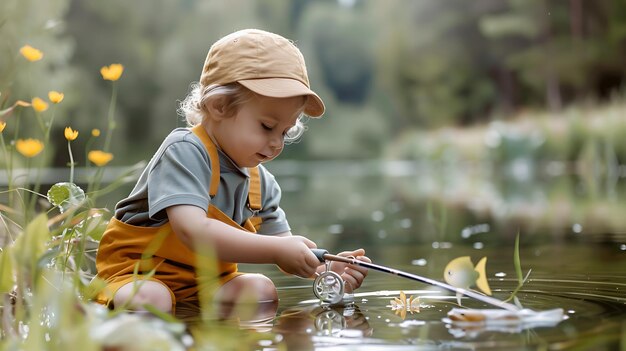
point(112, 72)
point(39, 105)
point(29, 147)
point(30, 53)
point(70, 134)
point(2, 126)
point(55, 97)
point(95, 132)
point(100, 158)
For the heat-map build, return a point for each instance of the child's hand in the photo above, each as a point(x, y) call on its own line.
point(294, 256)
point(351, 274)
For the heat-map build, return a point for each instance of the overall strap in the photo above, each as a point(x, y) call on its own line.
point(214, 157)
point(254, 198)
point(254, 193)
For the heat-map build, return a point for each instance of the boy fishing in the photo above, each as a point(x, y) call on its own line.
point(206, 186)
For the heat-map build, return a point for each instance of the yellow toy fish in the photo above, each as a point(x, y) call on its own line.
point(461, 273)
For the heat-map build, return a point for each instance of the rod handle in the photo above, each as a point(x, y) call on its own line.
point(319, 253)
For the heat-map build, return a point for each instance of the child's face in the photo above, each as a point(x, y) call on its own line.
point(256, 132)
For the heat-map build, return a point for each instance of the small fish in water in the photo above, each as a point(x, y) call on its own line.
point(461, 273)
point(401, 304)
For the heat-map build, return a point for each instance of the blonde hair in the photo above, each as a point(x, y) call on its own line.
point(193, 109)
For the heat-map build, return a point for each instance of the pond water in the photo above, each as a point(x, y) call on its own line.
point(587, 281)
point(414, 218)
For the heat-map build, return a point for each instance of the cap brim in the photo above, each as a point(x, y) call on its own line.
point(284, 88)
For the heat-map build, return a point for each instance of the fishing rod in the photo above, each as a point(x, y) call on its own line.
point(328, 277)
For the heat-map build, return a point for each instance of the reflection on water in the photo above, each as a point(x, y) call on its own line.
point(594, 302)
point(417, 219)
point(304, 327)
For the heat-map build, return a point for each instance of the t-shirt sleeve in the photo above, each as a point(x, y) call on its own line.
point(274, 218)
point(181, 176)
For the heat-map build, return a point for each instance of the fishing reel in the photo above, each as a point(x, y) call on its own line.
point(328, 286)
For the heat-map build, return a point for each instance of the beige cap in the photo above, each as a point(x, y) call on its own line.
point(263, 62)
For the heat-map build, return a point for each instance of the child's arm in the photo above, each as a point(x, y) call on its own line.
point(291, 253)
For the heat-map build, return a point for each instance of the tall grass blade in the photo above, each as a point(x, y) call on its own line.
point(517, 262)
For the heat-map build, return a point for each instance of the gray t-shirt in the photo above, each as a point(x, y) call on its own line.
point(179, 173)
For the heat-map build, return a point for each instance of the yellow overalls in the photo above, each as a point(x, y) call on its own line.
point(123, 245)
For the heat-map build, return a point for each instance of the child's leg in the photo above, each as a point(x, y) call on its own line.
point(145, 292)
point(259, 285)
point(254, 294)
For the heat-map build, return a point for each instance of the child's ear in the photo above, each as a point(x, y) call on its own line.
point(216, 107)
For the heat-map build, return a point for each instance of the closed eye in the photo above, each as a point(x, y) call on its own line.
point(266, 127)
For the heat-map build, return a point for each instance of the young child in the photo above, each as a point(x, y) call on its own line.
point(205, 186)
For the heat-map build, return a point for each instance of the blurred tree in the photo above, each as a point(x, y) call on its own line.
point(381, 67)
point(451, 61)
point(339, 42)
point(563, 48)
point(607, 26)
point(433, 61)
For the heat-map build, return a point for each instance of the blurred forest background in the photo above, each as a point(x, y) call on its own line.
point(445, 118)
point(401, 79)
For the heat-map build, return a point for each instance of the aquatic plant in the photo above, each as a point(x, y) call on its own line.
point(521, 279)
point(439, 222)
